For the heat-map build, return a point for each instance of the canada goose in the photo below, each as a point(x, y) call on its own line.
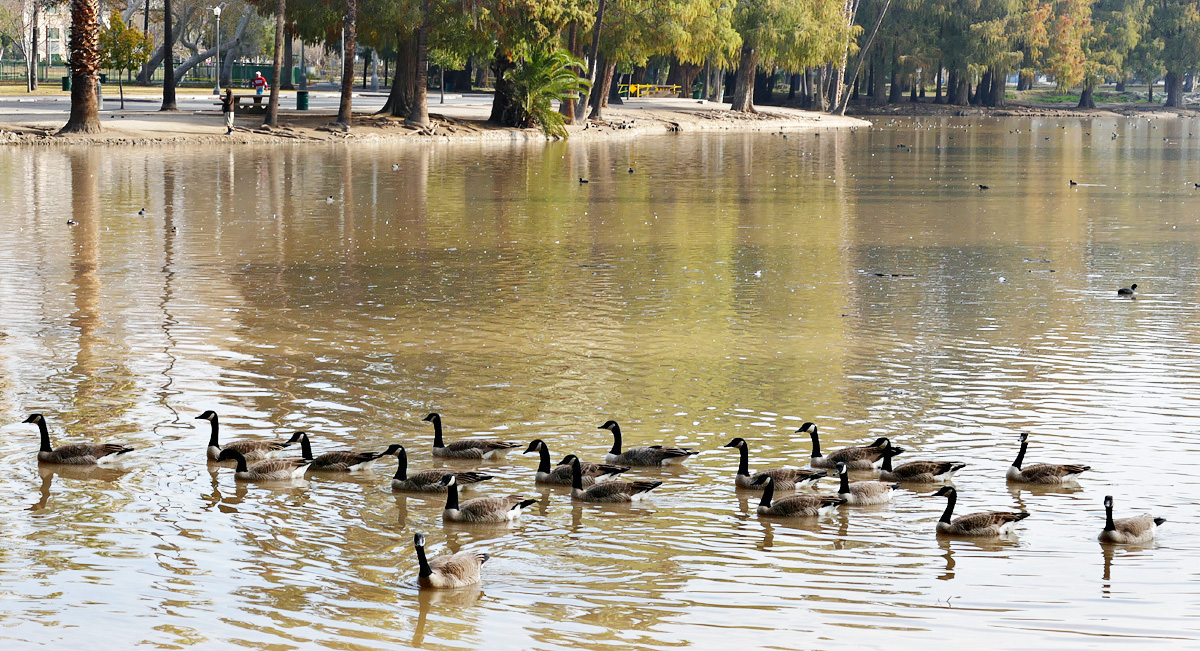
point(465, 448)
point(863, 492)
point(341, 460)
point(600, 471)
point(609, 491)
point(582, 180)
point(74, 454)
point(429, 481)
point(795, 506)
point(1043, 473)
point(860, 458)
point(984, 187)
point(918, 472)
point(448, 570)
point(984, 523)
point(561, 474)
point(269, 470)
point(1128, 531)
point(650, 455)
point(1127, 291)
point(252, 450)
point(481, 509)
point(1073, 182)
point(785, 478)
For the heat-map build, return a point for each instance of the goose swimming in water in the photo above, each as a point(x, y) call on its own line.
point(1137, 530)
point(429, 481)
point(608, 491)
point(784, 478)
point(269, 470)
point(481, 509)
point(74, 454)
point(1127, 291)
point(448, 570)
point(465, 448)
point(252, 450)
point(984, 523)
point(561, 474)
point(859, 458)
point(1043, 473)
point(918, 472)
point(863, 492)
point(341, 460)
point(649, 455)
point(793, 506)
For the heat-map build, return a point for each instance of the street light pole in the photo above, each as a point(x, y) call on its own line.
point(217, 82)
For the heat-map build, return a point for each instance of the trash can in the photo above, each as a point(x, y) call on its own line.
point(66, 82)
point(697, 93)
point(302, 100)
point(103, 78)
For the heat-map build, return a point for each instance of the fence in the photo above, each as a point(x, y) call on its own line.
point(201, 75)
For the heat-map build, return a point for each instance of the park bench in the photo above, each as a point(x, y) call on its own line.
point(249, 104)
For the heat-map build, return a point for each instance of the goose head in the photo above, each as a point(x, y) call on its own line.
point(1133, 286)
point(807, 428)
point(567, 459)
point(1108, 501)
point(393, 450)
point(207, 415)
point(736, 443)
point(1024, 437)
point(34, 418)
point(419, 540)
point(765, 479)
point(431, 418)
point(841, 468)
point(881, 442)
point(944, 490)
point(449, 479)
point(534, 446)
point(609, 425)
point(231, 455)
point(296, 436)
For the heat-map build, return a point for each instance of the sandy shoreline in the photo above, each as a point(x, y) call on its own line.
point(1021, 109)
point(460, 122)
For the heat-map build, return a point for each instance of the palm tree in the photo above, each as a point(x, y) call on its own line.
point(85, 67)
point(538, 80)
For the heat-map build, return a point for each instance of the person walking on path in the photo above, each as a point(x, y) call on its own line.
point(260, 83)
point(227, 110)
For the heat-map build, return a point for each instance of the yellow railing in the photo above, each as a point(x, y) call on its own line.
point(647, 90)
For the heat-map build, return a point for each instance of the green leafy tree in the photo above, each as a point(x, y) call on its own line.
point(124, 49)
point(1176, 24)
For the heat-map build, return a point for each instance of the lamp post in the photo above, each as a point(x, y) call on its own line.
point(217, 82)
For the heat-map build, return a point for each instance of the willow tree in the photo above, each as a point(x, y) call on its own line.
point(85, 67)
point(1176, 24)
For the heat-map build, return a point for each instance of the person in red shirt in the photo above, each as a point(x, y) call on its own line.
point(260, 83)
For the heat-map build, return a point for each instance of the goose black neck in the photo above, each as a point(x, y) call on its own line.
point(305, 448)
point(401, 465)
point(887, 458)
point(951, 497)
point(45, 432)
point(212, 438)
point(1021, 455)
point(768, 494)
point(452, 497)
point(576, 475)
point(437, 433)
point(544, 453)
point(744, 463)
point(845, 486)
point(616, 432)
point(240, 458)
point(816, 444)
point(1109, 525)
point(425, 569)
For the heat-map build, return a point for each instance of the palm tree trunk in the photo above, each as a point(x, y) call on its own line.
point(168, 103)
point(85, 67)
point(351, 25)
point(419, 114)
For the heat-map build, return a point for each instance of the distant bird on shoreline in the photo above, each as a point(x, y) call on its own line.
point(983, 187)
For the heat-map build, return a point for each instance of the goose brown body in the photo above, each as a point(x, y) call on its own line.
point(268, 470)
point(793, 506)
point(481, 509)
point(429, 481)
point(448, 570)
point(74, 454)
point(252, 450)
point(609, 491)
point(648, 455)
point(1043, 473)
point(856, 458)
point(984, 523)
point(466, 448)
point(863, 492)
point(785, 478)
point(341, 460)
point(918, 472)
point(561, 474)
point(1137, 530)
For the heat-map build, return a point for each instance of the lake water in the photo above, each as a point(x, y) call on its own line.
point(725, 288)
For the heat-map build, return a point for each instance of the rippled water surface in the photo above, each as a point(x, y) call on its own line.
point(727, 287)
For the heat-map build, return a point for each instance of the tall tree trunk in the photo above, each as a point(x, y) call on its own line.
point(1189, 82)
point(1086, 101)
point(419, 115)
point(168, 103)
point(85, 67)
point(505, 110)
point(1174, 82)
point(566, 106)
point(1150, 91)
point(895, 89)
point(612, 87)
point(999, 87)
point(878, 85)
point(276, 66)
point(600, 95)
point(937, 98)
point(743, 87)
point(912, 91)
point(288, 64)
point(33, 50)
point(399, 101)
point(593, 55)
point(1120, 85)
point(351, 25)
